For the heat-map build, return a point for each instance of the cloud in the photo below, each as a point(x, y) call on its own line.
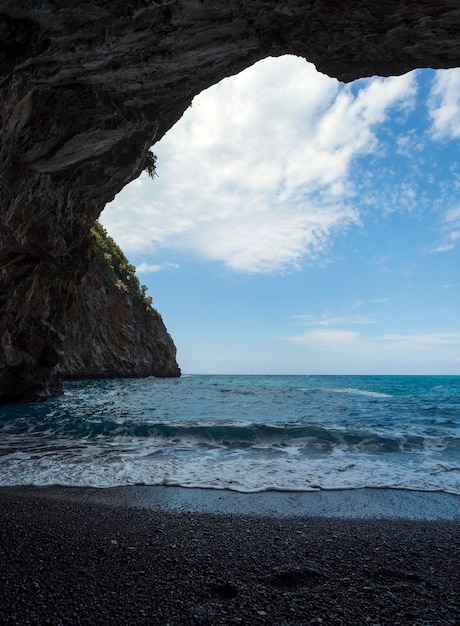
point(416, 352)
point(409, 144)
point(145, 268)
point(257, 174)
point(330, 341)
point(331, 335)
point(453, 216)
point(450, 228)
point(444, 248)
point(444, 104)
point(452, 224)
point(330, 320)
point(423, 340)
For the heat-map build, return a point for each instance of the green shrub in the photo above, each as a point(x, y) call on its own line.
point(113, 264)
point(150, 165)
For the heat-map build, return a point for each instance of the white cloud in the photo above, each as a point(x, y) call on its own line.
point(450, 229)
point(444, 248)
point(409, 144)
point(330, 342)
point(424, 340)
point(330, 320)
point(411, 353)
point(444, 104)
point(257, 173)
point(453, 216)
point(145, 268)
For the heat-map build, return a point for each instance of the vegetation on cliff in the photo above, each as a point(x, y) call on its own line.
point(151, 164)
point(111, 329)
point(113, 263)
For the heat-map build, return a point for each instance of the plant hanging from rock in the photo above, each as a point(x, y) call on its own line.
point(150, 164)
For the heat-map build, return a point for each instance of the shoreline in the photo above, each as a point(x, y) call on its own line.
point(363, 503)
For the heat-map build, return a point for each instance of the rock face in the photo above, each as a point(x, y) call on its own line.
point(128, 340)
point(111, 329)
point(88, 86)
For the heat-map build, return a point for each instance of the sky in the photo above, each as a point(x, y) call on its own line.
point(299, 225)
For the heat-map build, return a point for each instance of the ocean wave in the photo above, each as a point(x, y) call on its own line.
point(359, 392)
point(261, 433)
point(234, 435)
point(230, 471)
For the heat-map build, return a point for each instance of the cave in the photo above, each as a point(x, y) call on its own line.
point(88, 89)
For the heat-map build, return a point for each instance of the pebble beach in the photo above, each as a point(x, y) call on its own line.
point(70, 556)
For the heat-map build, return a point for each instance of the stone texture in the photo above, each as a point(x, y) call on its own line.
point(87, 86)
point(111, 330)
point(110, 335)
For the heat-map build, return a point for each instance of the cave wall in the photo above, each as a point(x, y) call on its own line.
point(88, 86)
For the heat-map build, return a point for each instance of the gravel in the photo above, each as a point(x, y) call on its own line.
point(64, 562)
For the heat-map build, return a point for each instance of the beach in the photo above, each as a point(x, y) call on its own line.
point(141, 555)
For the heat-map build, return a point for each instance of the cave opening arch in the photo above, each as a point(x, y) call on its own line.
point(256, 225)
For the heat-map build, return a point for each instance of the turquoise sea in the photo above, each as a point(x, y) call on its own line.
point(245, 433)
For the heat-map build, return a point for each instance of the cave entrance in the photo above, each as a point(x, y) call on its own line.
point(328, 210)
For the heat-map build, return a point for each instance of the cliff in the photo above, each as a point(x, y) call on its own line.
point(88, 86)
point(111, 329)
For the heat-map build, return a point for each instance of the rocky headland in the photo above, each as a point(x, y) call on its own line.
point(87, 87)
point(112, 329)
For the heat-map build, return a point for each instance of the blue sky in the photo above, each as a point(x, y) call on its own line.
point(300, 225)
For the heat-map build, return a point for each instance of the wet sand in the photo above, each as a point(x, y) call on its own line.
point(165, 555)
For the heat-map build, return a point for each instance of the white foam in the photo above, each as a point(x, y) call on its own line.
point(360, 392)
point(347, 443)
point(235, 471)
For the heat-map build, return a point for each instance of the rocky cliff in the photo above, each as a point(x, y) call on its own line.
point(87, 86)
point(111, 329)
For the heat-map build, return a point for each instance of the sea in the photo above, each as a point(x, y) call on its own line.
point(241, 433)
